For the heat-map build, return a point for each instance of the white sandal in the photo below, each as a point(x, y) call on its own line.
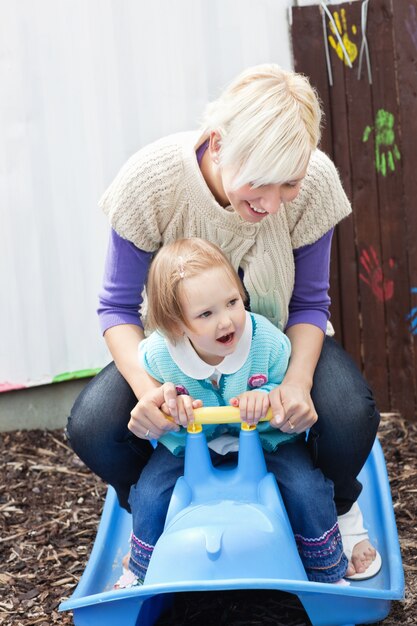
point(127, 580)
point(353, 532)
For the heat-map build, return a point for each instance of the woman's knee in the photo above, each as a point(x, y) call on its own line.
point(340, 391)
point(102, 409)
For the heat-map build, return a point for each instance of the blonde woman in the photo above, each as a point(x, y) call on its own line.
point(251, 180)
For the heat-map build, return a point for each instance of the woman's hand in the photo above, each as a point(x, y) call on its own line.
point(292, 408)
point(291, 403)
point(147, 420)
point(253, 405)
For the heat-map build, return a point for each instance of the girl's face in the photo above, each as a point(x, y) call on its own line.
point(255, 204)
point(215, 314)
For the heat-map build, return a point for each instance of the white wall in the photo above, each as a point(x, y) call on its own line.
point(84, 85)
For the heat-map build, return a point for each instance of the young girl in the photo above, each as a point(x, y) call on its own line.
point(216, 353)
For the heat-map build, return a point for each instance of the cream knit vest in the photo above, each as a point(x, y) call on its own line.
point(160, 195)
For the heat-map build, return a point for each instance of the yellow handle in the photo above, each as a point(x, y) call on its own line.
point(221, 415)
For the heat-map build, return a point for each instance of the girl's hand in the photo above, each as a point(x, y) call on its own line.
point(253, 406)
point(292, 408)
point(179, 407)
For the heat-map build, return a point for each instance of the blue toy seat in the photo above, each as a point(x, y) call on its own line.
point(228, 529)
point(225, 523)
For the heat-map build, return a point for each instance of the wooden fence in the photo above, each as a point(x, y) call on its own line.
point(371, 134)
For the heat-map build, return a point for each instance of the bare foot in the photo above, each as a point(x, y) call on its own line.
point(362, 556)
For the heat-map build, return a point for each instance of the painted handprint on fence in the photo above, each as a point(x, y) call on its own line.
point(412, 316)
point(372, 275)
point(386, 150)
point(411, 24)
point(342, 27)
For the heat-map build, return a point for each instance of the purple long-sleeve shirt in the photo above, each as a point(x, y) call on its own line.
point(127, 267)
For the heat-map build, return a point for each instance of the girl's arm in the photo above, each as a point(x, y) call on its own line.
point(276, 347)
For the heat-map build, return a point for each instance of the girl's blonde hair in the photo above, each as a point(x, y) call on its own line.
point(269, 122)
point(173, 263)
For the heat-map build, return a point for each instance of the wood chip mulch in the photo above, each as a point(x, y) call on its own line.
point(50, 506)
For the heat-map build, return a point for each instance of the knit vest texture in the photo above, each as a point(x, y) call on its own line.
point(160, 195)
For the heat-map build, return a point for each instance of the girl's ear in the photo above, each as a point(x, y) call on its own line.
point(214, 145)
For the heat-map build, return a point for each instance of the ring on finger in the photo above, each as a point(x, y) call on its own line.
point(291, 424)
point(147, 433)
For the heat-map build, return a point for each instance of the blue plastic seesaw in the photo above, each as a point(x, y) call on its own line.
point(228, 529)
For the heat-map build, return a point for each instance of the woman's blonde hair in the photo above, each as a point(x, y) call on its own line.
point(173, 263)
point(268, 120)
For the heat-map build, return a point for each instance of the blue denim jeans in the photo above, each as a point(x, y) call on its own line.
point(340, 441)
point(307, 495)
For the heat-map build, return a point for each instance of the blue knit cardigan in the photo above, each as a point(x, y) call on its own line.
point(264, 369)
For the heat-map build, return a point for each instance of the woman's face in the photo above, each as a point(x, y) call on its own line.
point(252, 204)
point(255, 204)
